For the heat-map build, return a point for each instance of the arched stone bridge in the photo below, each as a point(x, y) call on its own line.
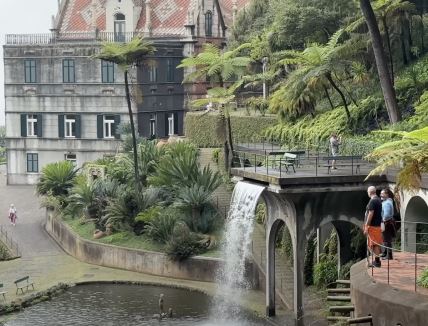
point(304, 202)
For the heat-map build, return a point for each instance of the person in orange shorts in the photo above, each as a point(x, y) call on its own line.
point(372, 225)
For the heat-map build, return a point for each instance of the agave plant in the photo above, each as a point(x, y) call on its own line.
point(56, 179)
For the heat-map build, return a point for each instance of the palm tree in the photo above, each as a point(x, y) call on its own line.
point(126, 55)
point(381, 62)
point(410, 153)
point(219, 67)
point(318, 67)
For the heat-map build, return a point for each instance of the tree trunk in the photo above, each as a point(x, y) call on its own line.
point(328, 97)
point(228, 141)
point(381, 62)
point(330, 79)
point(388, 43)
point(422, 34)
point(134, 138)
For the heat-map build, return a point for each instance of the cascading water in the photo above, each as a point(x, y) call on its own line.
point(236, 249)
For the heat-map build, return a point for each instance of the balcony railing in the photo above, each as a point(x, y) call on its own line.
point(53, 38)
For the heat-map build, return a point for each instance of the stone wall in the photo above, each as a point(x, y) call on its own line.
point(197, 268)
point(387, 305)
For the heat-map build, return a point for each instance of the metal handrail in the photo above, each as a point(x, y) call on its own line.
point(397, 250)
point(309, 160)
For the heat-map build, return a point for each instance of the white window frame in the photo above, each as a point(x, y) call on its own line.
point(68, 126)
point(32, 125)
point(71, 157)
point(152, 125)
point(108, 126)
point(170, 124)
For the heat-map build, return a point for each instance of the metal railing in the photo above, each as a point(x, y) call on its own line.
point(415, 256)
point(311, 163)
point(53, 38)
point(9, 242)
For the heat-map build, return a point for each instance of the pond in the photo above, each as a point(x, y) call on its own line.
point(124, 305)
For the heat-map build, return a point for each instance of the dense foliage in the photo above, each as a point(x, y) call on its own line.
point(173, 207)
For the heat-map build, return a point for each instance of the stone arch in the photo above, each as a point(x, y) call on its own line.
point(416, 211)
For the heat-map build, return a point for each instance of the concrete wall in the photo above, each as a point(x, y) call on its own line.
point(387, 305)
point(197, 269)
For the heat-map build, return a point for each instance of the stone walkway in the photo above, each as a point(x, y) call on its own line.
point(402, 271)
point(47, 264)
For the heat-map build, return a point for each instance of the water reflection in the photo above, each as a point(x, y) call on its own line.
point(124, 305)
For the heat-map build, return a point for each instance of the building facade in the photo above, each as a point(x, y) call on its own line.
point(61, 104)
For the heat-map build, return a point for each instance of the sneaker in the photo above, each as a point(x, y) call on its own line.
point(386, 258)
point(376, 265)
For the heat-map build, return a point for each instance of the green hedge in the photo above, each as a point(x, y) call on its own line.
point(206, 130)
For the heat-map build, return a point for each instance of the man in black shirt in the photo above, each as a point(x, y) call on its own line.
point(372, 228)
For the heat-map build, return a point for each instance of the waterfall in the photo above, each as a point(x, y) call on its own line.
point(236, 249)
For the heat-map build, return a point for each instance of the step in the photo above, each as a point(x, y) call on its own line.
point(360, 320)
point(344, 282)
point(339, 290)
point(338, 298)
point(337, 318)
point(344, 309)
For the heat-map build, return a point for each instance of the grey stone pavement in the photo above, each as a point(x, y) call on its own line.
point(32, 239)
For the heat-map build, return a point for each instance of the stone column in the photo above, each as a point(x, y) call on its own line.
point(299, 264)
point(270, 270)
point(323, 232)
point(344, 251)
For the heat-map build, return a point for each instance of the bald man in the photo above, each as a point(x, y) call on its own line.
point(372, 228)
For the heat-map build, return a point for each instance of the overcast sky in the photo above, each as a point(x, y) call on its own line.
point(22, 17)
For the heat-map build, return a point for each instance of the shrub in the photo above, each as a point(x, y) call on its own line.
point(309, 260)
point(345, 270)
point(160, 229)
point(57, 179)
point(261, 213)
point(145, 217)
point(423, 279)
point(4, 252)
point(325, 272)
point(183, 243)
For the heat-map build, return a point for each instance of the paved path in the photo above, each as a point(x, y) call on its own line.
point(402, 271)
point(47, 264)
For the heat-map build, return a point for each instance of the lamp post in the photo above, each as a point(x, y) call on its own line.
point(264, 66)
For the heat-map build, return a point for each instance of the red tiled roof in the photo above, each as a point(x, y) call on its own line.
point(227, 9)
point(168, 17)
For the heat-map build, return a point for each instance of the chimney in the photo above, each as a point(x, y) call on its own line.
point(148, 25)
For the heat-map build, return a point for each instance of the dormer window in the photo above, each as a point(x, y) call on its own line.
point(209, 23)
point(119, 27)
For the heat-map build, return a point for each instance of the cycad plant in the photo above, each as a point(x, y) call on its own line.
point(56, 179)
point(409, 154)
point(126, 55)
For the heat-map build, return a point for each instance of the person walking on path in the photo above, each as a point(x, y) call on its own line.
point(372, 225)
point(334, 148)
point(388, 228)
point(12, 214)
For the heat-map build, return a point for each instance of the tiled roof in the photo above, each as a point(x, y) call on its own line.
point(78, 15)
point(168, 17)
point(227, 9)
